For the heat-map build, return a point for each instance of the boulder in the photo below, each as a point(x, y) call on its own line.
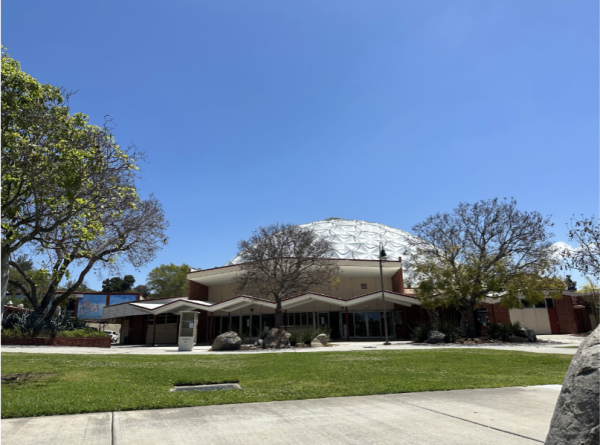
point(322, 338)
point(529, 334)
point(276, 339)
point(517, 339)
point(228, 341)
point(576, 416)
point(316, 344)
point(434, 337)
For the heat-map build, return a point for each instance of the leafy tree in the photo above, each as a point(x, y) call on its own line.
point(68, 192)
point(118, 284)
point(571, 285)
point(143, 289)
point(586, 256)
point(282, 260)
point(168, 280)
point(489, 248)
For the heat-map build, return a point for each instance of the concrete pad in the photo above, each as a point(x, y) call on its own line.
point(89, 429)
point(393, 419)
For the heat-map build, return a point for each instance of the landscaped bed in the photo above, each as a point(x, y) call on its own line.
point(49, 384)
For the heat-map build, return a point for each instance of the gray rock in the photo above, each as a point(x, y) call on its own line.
point(577, 413)
point(228, 341)
point(529, 334)
point(322, 338)
point(276, 339)
point(434, 337)
point(517, 339)
point(316, 344)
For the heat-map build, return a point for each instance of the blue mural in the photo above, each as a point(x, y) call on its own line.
point(90, 306)
point(126, 298)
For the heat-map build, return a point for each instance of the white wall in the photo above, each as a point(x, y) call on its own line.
point(532, 318)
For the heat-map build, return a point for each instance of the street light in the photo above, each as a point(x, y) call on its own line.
point(382, 256)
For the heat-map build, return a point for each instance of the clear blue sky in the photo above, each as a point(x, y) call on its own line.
point(253, 112)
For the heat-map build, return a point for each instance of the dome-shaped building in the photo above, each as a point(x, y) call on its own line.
point(353, 309)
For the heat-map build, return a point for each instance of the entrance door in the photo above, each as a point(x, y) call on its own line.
point(334, 320)
point(323, 319)
point(255, 326)
point(246, 325)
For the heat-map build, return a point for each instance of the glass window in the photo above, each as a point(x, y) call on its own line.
point(303, 320)
point(360, 324)
point(171, 318)
point(309, 319)
point(374, 324)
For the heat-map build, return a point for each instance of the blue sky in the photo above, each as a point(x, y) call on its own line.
point(253, 112)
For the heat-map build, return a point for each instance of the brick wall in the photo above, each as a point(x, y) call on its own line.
point(197, 291)
point(497, 313)
point(398, 281)
point(566, 315)
point(93, 342)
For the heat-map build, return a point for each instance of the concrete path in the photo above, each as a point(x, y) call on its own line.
point(548, 344)
point(503, 416)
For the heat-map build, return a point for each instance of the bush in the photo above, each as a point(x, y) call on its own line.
point(308, 335)
point(451, 329)
point(23, 324)
point(502, 331)
point(79, 333)
point(293, 339)
point(420, 331)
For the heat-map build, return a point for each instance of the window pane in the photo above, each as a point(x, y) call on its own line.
point(303, 321)
point(309, 320)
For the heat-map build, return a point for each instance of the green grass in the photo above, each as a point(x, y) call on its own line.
point(69, 384)
point(567, 347)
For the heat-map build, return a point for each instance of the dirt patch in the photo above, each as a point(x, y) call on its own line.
point(20, 378)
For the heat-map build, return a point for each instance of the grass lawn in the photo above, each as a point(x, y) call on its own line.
point(69, 384)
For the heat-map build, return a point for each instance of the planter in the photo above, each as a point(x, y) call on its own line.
point(93, 342)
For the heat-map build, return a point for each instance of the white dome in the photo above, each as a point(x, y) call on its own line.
point(359, 240)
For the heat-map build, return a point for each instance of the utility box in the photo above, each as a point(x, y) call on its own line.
point(188, 324)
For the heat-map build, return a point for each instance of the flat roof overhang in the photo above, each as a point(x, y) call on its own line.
point(349, 268)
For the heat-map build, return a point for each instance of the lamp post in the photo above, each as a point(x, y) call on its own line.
point(382, 256)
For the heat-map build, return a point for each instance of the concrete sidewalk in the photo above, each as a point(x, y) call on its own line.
point(548, 344)
point(502, 416)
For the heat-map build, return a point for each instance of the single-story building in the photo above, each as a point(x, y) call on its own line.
point(354, 310)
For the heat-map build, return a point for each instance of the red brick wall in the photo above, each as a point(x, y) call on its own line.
point(94, 342)
point(398, 281)
point(497, 313)
point(566, 315)
point(197, 291)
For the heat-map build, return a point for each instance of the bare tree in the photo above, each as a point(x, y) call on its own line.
point(282, 260)
point(484, 249)
point(586, 256)
point(131, 233)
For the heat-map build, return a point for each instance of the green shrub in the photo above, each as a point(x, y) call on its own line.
point(308, 335)
point(451, 329)
point(81, 333)
point(502, 331)
point(420, 331)
point(293, 339)
point(11, 333)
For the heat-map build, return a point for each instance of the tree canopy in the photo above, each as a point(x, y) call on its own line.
point(68, 191)
point(118, 284)
point(282, 260)
point(168, 280)
point(585, 258)
point(486, 249)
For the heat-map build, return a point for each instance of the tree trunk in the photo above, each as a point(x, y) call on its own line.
point(471, 329)
point(4, 265)
point(278, 316)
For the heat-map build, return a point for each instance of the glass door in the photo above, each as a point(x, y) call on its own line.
point(360, 324)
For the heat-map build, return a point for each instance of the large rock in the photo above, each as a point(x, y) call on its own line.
point(321, 338)
point(228, 341)
point(434, 337)
point(576, 416)
point(276, 339)
point(529, 334)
